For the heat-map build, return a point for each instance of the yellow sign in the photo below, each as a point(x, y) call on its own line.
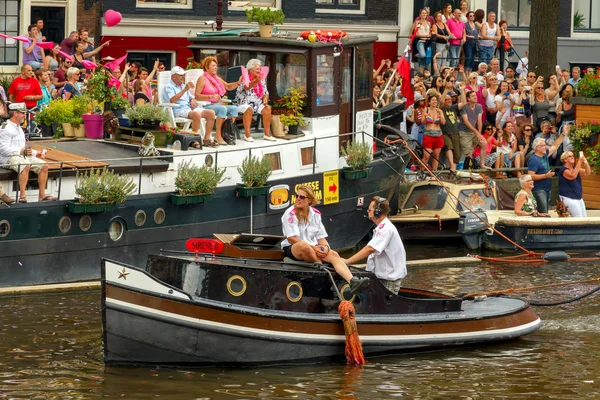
point(331, 187)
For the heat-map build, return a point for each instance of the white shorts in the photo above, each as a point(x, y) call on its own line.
point(184, 112)
point(243, 107)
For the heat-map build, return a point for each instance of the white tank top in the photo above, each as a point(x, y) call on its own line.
point(424, 29)
point(489, 32)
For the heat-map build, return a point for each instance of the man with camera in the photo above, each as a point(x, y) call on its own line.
point(16, 155)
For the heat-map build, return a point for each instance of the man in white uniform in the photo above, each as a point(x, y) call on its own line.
point(306, 237)
point(385, 251)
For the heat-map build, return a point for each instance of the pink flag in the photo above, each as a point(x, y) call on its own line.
point(45, 45)
point(65, 55)
point(89, 65)
point(112, 81)
point(114, 64)
point(4, 36)
point(21, 38)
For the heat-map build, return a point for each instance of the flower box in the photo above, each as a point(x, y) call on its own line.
point(83, 208)
point(351, 175)
point(182, 200)
point(243, 191)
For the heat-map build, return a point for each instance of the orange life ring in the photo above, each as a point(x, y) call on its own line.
point(335, 34)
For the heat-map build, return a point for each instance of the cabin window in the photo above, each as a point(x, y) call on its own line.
point(325, 83)
point(276, 157)
point(340, 6)
point(476, 199)
point(9, 23)
point(164, 4)
point(307, 155)
point(243, 5)
point(364, 74)
point(291, 72)
point(430, 197)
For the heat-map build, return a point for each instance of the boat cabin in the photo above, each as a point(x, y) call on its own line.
point(337, 75)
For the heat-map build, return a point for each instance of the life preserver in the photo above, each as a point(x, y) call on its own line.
point(333, 35)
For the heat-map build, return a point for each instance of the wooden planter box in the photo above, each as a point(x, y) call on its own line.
point(591, 190)
point(190, 199)
point(82, 208)
point(586, 109)
point(243, 191)
point(351, 175)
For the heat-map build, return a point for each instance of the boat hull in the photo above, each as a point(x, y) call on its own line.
point(36, 251)
point(155, 323)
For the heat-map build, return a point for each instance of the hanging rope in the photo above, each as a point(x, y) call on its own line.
point(525, 289)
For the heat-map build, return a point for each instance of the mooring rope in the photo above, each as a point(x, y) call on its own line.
point(525, 289)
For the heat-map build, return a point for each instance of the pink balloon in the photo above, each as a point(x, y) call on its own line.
point(45, 45)
point(112, 17)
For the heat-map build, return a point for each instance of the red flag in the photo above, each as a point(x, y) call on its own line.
point(407, 90)
point(114, 64)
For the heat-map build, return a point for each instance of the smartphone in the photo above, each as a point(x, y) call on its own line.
point(557, 66)
point(580, 154)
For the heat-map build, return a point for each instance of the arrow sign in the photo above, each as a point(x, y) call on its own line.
point(332, 188)
point(212, 246)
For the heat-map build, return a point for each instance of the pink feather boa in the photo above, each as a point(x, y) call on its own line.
point(216, 82)
point(258, 89)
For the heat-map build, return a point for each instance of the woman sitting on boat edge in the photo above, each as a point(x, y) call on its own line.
point(306, 237)
point(570, 190)
point(525, 203)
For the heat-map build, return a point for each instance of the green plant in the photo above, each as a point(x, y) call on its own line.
point(81, 105)
point(102, 186)
point(120, 102)
point(192, 179)
point(6, 80)
point(589, 85)
point(292, 105)
point(358, 155)
point(578, 20)
point(97, 86)
point(254, 171)
point(59, 111)
point(192, 64)
point(265, 16)
point(583, 137)
point(147, 112)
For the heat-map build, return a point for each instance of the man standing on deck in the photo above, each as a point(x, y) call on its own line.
point(385, 251)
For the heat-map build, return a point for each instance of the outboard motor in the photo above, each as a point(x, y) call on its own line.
point(472, 228)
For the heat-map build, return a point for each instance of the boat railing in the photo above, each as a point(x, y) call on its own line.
point(172, 155)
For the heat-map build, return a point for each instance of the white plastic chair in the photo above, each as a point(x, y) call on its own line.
point(163, 79)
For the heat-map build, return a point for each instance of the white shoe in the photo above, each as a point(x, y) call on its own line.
point(269, 138)
point(249, 139)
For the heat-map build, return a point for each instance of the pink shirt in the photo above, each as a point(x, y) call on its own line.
point(457, 28)
point(209, 88)
point(488, 148)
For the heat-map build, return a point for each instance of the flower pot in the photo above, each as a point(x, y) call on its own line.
point(160, 138)
point(351, 175)
point(80, 131)
point(243, 191)
point(150, 124)
point(294, 129)
point(46, 130)
point(277, 128)
point(180, 200)
point(68, 130)
point(82, 208)
point(124, 122)
point(94, 125)
point(266, 31)
point(119, 112)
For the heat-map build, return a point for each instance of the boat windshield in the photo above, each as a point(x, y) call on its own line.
point(428, 197)
point(476, 199)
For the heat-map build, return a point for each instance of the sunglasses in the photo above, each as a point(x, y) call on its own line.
point(489, 128)
point(301, 197)
point(452, 81)
point(531, 76)
point(527, 130)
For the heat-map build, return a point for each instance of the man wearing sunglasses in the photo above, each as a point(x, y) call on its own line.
point(60, 75)
point(385, 253)
point(307, 238)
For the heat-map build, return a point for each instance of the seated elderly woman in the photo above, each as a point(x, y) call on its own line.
point(252, 96)
point(210, 87)
point(525, 203)
point(70, 89)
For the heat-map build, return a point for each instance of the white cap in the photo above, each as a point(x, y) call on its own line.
point(17, 107)
point(177, 71)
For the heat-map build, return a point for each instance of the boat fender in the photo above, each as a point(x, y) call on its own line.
point(556, 256)
point(489, 231)
point(480, 298)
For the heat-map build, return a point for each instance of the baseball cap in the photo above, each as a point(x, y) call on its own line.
point(21, 107)
point(452, 93)
point(177, 71)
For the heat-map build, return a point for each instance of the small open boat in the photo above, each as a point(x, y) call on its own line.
point(231, 308)
point(533, 233)
point(428, 211)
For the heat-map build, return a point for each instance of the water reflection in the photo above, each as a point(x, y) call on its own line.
point(51, 347)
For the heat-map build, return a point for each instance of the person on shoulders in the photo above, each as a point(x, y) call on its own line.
point(306, 238)
point(385, 253)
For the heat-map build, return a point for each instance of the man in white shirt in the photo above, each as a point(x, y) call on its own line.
point(523, 66)
point(385, 251)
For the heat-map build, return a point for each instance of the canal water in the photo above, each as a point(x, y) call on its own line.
point(51, 348)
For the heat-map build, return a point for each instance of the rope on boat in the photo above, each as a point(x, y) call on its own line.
point(559, 303)
point(525, 289)
point(354, 353)
point(456, 197)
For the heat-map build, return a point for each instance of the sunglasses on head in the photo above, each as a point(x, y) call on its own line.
point(301, 197)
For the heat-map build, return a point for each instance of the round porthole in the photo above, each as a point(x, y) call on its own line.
point(116, 229)
point(346, 294)
point(159, 216)
point(4, 228)
point(140, 218)
point(208, 160)
point(64, 224)
point(236, 285)
point(294, 292)
point(85, 223)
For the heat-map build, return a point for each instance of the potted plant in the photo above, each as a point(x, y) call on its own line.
point(358, 156)
point(195, 184)
point(98, 89)
point(56, 113)
point(147, 116)
point(119, 105)
point(587, 101)
point(99, 190)
point(266, 19)
point(254, 173)
point(289, 108)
